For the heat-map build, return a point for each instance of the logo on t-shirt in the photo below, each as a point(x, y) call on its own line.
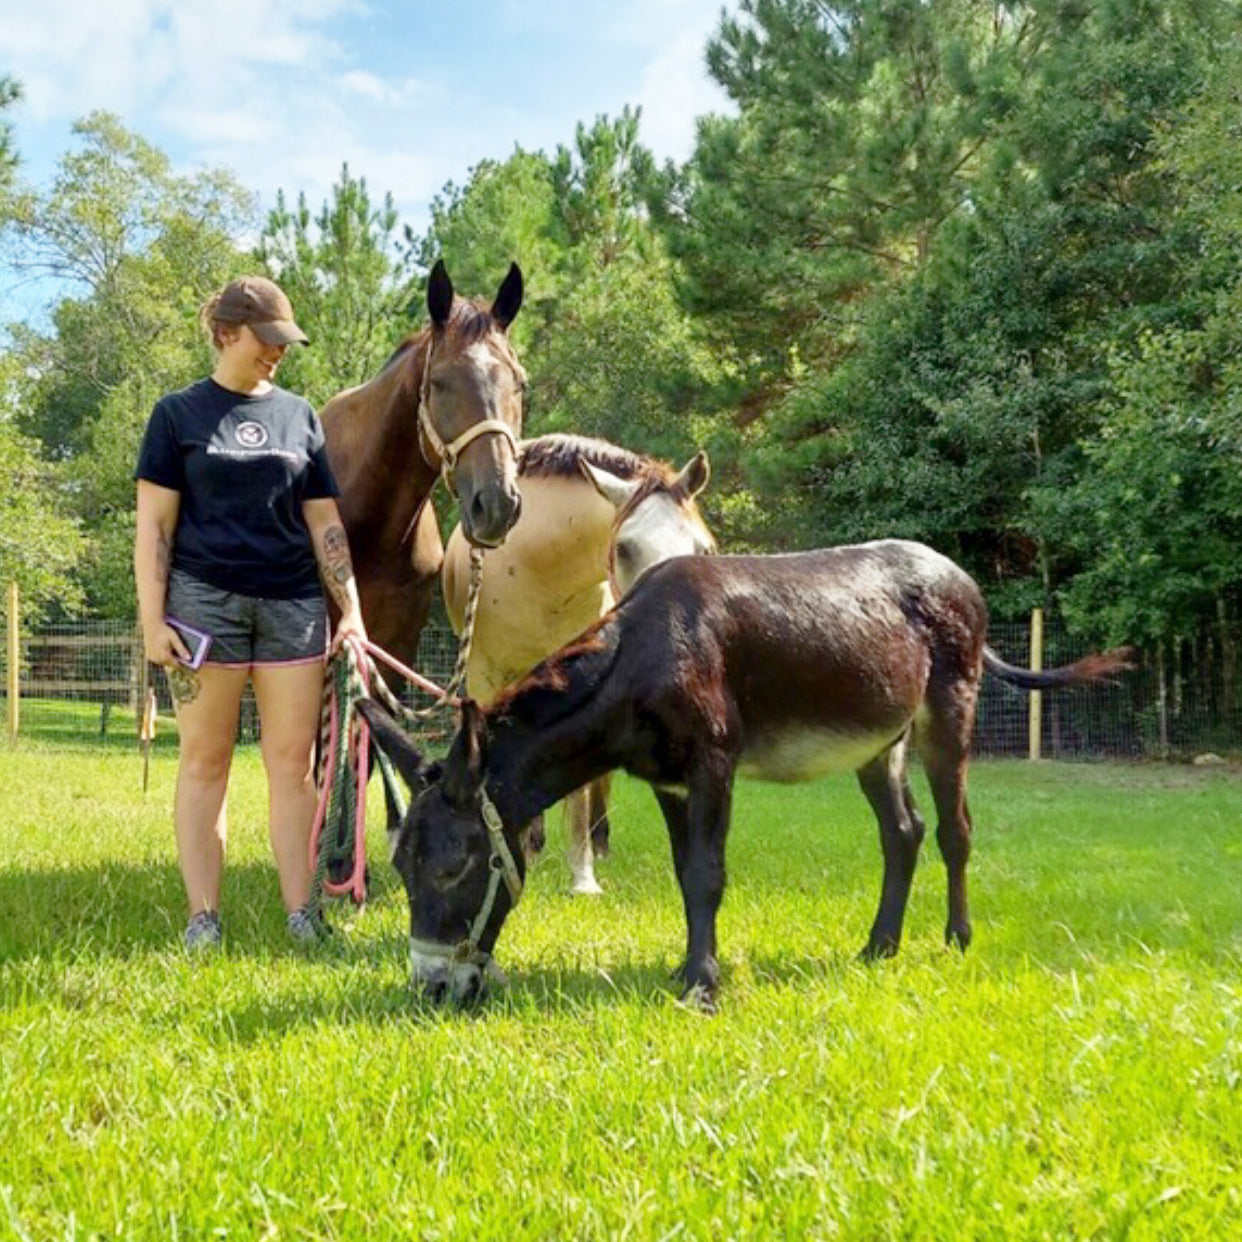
point(251, 435)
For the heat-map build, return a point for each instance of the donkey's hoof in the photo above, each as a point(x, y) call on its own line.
point(878, 950)
point(700, 999)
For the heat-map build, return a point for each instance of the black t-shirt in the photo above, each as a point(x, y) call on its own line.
point(243, 466)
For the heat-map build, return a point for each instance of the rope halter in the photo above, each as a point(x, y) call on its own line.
point(501, 865)
point(447, 454)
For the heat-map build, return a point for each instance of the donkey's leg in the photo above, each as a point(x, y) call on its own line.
point(884, 782)
point(676, 817)
point(581, 856)
point(944, 746)
point(597, 806)
point(703, 878)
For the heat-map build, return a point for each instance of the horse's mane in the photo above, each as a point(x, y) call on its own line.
point(558, 456)
point(560, 684)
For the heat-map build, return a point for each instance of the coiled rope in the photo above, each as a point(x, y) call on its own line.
point(338, 833)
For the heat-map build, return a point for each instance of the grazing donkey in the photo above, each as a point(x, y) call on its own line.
point(781, 667)
point(594, 517)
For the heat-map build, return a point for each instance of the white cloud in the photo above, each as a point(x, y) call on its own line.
point(283, 92)
point(676, 89)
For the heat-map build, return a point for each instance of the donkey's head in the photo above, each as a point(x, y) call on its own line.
point(463, 870)
point(657, 518)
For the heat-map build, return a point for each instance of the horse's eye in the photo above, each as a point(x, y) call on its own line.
point(625, 550)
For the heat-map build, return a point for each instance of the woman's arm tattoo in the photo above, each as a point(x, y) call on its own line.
point(334, 564)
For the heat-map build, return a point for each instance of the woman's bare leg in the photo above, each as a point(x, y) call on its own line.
point(207, 704)
point(288, 696)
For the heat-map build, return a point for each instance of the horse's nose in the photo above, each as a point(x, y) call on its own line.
point(491, 514)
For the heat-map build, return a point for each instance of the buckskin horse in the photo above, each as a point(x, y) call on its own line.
point(594, 518)
point(781, 667)
point(447, 402)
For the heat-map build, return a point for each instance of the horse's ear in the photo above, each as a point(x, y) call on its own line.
point(616, 491)
point(439, 294)
point(467, 758)
point(509, 297)
point(394, 742)
point(695, 474)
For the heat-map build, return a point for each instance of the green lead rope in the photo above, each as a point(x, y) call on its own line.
point(338, 869)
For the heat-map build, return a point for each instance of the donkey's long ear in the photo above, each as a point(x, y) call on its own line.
point(509, 297)
point(695, 474)
point(616, 491)
point(439, 294)
point(467, 758)
point(393, 741)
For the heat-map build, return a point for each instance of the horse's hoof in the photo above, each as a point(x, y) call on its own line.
point(586, 888)
point(958, 936)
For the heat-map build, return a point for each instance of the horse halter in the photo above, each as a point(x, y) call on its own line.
point(449, 453)
point(501, 866)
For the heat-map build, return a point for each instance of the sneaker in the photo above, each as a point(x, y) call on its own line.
point(308, 926)
point(203, 932)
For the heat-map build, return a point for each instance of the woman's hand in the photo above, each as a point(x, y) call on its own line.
point(350, 625)
point(162, 645)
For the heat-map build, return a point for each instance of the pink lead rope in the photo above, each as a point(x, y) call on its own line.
point(355, 885)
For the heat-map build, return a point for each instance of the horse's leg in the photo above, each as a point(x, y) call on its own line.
point(597, 809)
point(884, 782)
point(581, 857)
point(944, 746)
point(703, 878)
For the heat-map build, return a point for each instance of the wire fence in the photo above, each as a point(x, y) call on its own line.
point(85, 682)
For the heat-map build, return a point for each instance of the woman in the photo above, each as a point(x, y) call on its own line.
point(237, 528)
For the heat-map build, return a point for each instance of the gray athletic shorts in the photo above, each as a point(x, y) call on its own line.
point(248, 630)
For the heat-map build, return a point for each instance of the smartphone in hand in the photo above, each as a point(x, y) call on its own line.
point(197, 642)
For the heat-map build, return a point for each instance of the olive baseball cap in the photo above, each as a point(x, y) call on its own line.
point(262, 304)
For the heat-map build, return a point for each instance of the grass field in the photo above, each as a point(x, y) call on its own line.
point(1077, 1074)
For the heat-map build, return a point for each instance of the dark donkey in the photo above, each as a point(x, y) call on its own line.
point(780, 667)
point(448, 402)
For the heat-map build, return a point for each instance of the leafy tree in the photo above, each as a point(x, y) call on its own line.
point(139, 248)
point(965, 387)
point(40, 542)
point(349, 282)
point(615, 356)
point(505, 212)
point(10, 93)
point(861, 127)
point(1156, 510)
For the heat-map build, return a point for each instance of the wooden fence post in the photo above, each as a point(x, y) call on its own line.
point(1037, 663)
point(14, 663)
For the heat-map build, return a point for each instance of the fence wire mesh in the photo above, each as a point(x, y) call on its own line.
point(84, 681)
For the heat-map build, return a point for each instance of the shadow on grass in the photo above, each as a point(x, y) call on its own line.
point(126, 910)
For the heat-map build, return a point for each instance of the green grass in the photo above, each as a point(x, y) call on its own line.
point(1077, 1074)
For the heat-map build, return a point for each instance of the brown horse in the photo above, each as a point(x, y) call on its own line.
point(448, 402)
point(780, 667)
point(594, 517)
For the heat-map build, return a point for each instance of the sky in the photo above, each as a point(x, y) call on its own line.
point(411, 95)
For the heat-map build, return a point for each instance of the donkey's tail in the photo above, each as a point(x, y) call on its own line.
point(1098, 667)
